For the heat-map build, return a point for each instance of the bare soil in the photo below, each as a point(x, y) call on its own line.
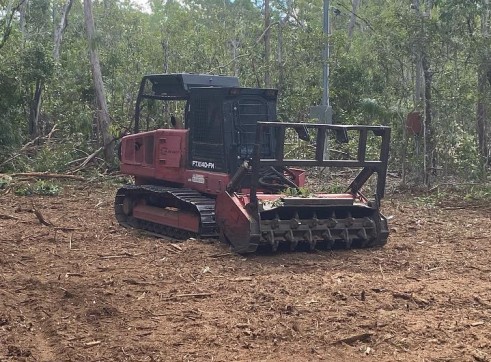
point(85, 289)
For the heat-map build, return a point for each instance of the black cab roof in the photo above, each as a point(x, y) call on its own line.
point(177, 85)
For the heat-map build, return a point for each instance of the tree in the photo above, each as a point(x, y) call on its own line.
point(267, 44)
point(6, 21)
point(104, 121)
point(483, 83)
point(59, 30)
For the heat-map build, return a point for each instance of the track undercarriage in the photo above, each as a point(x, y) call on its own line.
point(183, 213)
point(174, 212)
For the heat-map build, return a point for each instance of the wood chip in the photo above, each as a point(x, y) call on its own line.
point(242, 279)
point(175, 246)
point(93, 343)
point(475, 324)
point(420, 301)
point(73, 275)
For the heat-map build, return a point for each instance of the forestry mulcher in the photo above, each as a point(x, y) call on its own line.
point(221, 169)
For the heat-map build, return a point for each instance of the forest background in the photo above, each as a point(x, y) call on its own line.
point(391, 60)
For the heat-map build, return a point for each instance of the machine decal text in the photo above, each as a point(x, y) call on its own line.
point(197, 178)
point(203, 164)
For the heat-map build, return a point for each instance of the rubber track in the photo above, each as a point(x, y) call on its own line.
point(183, 198)
point(187, 199)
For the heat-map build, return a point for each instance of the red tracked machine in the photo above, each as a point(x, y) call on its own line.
point(223, 170)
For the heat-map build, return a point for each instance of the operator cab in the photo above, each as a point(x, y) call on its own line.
point(222, 125)
point(220, 115)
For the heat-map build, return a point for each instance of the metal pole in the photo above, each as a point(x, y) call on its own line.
point(323, 112)
point(325, 56)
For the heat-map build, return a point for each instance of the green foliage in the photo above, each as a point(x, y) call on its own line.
point(478, 192)
point(372, 70)
point(46, 188)
point(10, 113)
point(429, 200)
point(5, 181)
point(52, 158)
point(40, 187)
point(298, 192)
point(37, 63)
point(24, 189)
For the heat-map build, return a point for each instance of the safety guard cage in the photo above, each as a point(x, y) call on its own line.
point(322, 130)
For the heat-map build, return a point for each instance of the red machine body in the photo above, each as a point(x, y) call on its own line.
point(226, 174)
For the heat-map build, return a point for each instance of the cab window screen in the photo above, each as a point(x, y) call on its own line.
point(207, 132)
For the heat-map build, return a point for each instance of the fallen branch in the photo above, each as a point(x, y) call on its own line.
point(118, 256)
point(53, 130)
point(136, 282)
point(355, 338)
point(242, 279)
point(48, 175)
point(40, 217)
point(156, 235)
point(220, 255)
point(482, 302)
point(8, 217)
point(67, 228)
point(88, 159)
point(405, 296)
point(190, 295)
point(11, 158)
point(28, 144)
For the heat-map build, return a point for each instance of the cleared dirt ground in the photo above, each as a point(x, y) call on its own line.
point(85, 289)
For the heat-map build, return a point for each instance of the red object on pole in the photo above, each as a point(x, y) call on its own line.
point(414, 123)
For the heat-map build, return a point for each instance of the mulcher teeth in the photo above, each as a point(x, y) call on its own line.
point(341, 229)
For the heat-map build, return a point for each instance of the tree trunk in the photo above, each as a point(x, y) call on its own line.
point(165, 51)
point(35, 109)
point(429, 136)
point(483, 77)
point(418, 71)
point(103, 118)
point(22, 19)
point(352, 21)
point(281, 74)
point(481, 119)
point(60, 29)
point(267, 44)
point(35, 128)
point(235, 53)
